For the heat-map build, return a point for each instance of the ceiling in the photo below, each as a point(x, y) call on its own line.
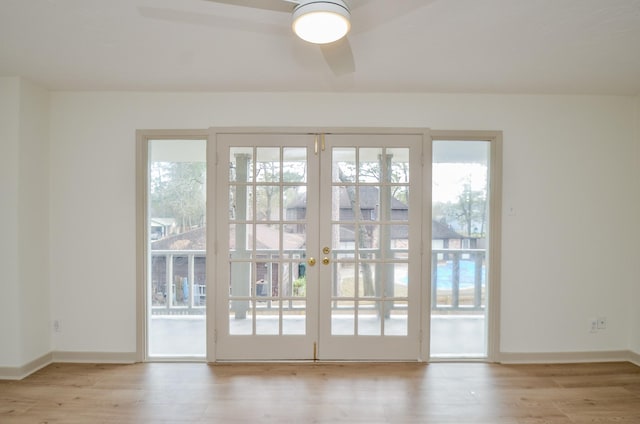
point(446, 46)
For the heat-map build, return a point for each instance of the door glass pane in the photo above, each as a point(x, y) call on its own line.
point(398, 280)
point(344, 165)
point(267, 203)
point(240, 199)
point(294, 203)
point(344, 281)
point(396, 322)
point(369, 318)
point(459, 245)
point(294, 166)
point(369, 169)
point(177, 241)
point(240, 318)
point(397, 208)
point(369, 240)
point(267, 238)
point(369, 283)
point(294, 317)
point(240, 164)
point(268, 164)
point(267, 318)
point(368, 202)
point(399, 165)
point(343, 315)
point(341, 203)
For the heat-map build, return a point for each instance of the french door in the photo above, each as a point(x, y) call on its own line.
point(319, 246)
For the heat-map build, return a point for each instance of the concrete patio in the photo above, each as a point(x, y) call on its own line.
point(452, 336)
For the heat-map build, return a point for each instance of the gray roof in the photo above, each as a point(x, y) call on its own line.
point(441, 231)
point(369, 199)
point(189, 240)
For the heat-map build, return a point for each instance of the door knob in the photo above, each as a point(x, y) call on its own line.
point(311, 261)
point(325, 261)
point(326, 250)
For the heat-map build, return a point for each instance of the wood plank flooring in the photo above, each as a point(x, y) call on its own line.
point(460, 393)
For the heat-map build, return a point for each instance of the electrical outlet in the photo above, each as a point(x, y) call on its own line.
point(57, 326)
point(593, 325)
point(602, 323)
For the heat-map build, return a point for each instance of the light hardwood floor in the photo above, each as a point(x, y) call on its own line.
point(458, 393)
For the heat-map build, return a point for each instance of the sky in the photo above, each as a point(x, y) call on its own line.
point(449, 179)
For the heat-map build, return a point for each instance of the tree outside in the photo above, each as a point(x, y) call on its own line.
point(460, 198)
point(178, 190)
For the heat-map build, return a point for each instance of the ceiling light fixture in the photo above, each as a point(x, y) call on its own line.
point(321, 22)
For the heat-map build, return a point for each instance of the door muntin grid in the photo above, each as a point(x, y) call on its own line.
point(370, 188)
point(267, 240)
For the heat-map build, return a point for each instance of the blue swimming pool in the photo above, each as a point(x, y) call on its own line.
point(467, 274)
point(445, 275)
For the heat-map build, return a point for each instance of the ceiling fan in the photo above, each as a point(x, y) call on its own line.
point(367, 14)
point(322, 22)
point(314, 21)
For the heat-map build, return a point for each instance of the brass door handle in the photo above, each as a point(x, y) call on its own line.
point(311, 261)
point(325, 261)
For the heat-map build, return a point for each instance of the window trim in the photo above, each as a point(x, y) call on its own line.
point(142, 272)
point(495, 231)
point(143, 136)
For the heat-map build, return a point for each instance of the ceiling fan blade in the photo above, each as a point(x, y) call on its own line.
point(355, 4)
point(339, 57)
point(212, 21)
point(275, 5)
point(369, 16)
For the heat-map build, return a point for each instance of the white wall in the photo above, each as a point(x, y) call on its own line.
point(634, 309)
point(9, 133)
point(33, 220)
point(568, 164)
point(24, 214)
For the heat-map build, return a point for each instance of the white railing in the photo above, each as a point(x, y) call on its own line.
point(458, 280)
point(178, 279)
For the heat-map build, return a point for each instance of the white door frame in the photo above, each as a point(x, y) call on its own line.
point(214, 216)
point(495, 137)
point(143, 305)
point(272, 347)
point(494, 235)
point(384, 346)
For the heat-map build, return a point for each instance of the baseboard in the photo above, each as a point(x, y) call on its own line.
point(95, 357)
point(18, 373)
point(568, 357)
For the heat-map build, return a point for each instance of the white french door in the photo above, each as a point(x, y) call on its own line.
point(266, 293)
point(318, 247)
point(370, 236)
